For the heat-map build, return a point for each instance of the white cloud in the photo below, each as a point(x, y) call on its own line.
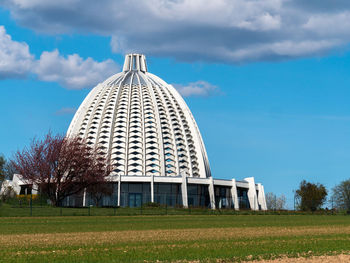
point(262, 22)
point(15, 58)
point(284, 49)
point(197, 89)
point(331, 25)
point(229, 31)
point(72, 72)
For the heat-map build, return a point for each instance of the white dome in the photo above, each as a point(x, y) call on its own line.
point(143, 124)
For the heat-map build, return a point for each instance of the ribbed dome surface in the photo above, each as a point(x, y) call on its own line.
point(143, 124)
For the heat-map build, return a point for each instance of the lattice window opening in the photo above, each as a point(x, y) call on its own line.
point(181, 150)
point(154, 172)
point(192, 148)
point(131, 161)
point(168, 143)
point(183, 156)
point(151, 136)
point(176, 125)
point(169, 150)
point(151, 128)
point(122, 111)
point(135, 124)
point(109, 112)
point(135, 103)
point(190, 141)
point(149, 147)
point(121, 133)
point(170, 168)
point(194, 164)
point(105, 130)
point(117, 147)
point(166, 130)
point(135, 118)
point(135, 130)
point(157, 163)
point(149, 150)
point(123, 106)
point(135, 139)
point(121, 118)
point(193, 157)
point(195, 170)
point(152, 159)
point(137, 146)
point(167, 139)
point(136, 113)
point(119, 137)
point(170, 161)
point(181, 145)
point(139, 134)
point(179, 138)
point(150, 143)
point(120, 125)
point(135, 164)
point(103, 137)
point(153, 154)
point(164, 122)
point(188, 134)
point(118, 153)
point(170, 172)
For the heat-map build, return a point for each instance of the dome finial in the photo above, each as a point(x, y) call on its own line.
point(135, 62)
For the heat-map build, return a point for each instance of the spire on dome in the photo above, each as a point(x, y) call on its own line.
point(135, 62)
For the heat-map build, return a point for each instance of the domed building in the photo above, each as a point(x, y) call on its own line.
point(145, 127)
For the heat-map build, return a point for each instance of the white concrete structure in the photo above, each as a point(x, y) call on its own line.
point(17, 185)
point(145, 127)
point(142, 124)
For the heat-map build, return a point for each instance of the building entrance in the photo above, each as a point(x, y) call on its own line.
point(135, 200)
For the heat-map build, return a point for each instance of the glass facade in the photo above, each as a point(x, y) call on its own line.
point(134, 194)
point(74, 200)
point(26, 189)
point(198, 195)
point(223, 197)
point(167, 193)
point(109, 198)
point(243, 200)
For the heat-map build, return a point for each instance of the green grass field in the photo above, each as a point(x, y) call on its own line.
point(180, 238)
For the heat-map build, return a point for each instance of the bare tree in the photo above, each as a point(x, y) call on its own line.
point(281, 202)
point(61, 166)
point(9, 170)
point(2, 170)
point(274, 202)
point(341, 195)
point(7, 193)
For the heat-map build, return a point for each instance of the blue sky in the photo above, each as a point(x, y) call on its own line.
point(267, 81)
